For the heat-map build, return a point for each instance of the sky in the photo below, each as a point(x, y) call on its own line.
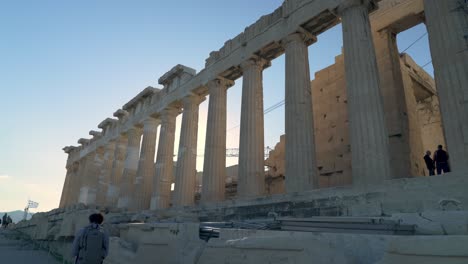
point(67, 65)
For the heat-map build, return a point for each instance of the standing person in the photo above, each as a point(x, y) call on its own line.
point(91, 244)
point(4, 220)
point(9, 221)
point(441, 158)
point(429, 163)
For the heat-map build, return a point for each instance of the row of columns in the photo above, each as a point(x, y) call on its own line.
point(136, 182)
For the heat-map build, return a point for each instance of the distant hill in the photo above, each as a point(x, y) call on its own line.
point(16, 216)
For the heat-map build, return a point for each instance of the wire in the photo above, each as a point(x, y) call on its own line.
point(414, 42)
point(426, 64)
point(266, 111)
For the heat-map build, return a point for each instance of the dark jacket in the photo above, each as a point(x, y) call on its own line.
point(429, 162)
point(441, 156)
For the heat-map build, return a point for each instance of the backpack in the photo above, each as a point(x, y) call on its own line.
point(91, 251)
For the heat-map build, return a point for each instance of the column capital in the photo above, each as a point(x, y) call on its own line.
point(300, 36)
point(169, 114)
point(255, 61)
point(134, 131)
point(75, 166)
point(369, 4)
point(121, 114)
point(150, 121)
point(192, 99)
point(219, 82)
point(100, 150)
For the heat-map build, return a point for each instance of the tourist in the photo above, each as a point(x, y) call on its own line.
point(441, 158)
point(429, 163)
point(91, 243)
point(4, 220)
point(9, 220)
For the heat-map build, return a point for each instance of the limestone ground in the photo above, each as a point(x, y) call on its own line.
point(21, 252)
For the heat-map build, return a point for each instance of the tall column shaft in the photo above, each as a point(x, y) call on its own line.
point(74, 186)
point(447, 25)
point(214, 166)
point(145, 173)
point(185, 179)
point(130, 168)
point(90, 177)
point(301, 169)
point(164, 161)
point(78, 181)
point(113, 190)
point(66, 187)
point(368, 133)
point(251, 178)
point(105, 173)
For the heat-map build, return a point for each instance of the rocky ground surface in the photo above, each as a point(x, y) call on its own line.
point(18, 251)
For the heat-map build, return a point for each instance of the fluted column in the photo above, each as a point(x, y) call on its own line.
point(368, 134)
point(90, 177)
point(78, 181)
point(66, 187)
point(113, 190)
point(130, 168)
point(301, 169)
point(72, 196)
point(251, 177)
point(87, 162)
point(164, 161)
point(447, 25)
point(145, 173)
point(187, 157)
point(105, 173)
point(214, 166)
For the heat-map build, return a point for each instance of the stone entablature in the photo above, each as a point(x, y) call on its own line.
point(107, 124)
point(141, 100)
point(176, 77)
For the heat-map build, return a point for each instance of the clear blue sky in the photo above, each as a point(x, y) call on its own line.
point(67, 65)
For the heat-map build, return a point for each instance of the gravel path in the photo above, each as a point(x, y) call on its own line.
point(21, 252)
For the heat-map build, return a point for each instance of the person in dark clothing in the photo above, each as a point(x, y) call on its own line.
point(429, 163)
point(4, 220)
point(441, 159)
point(9, 221)
point(91, 244)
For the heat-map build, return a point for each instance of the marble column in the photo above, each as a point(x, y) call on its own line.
point(164, 161)
point(144, 178)
point(79, 181)
point(251, 174)
point(368, 133)
point(301, 169)
point(104, 177)
point(88, 191)
point(113, 190)
point(130, 168)
point(447, 25)
point(185, 177)
point(214, 166)
point(86, 162)
point(72, 196)
point(66, 187)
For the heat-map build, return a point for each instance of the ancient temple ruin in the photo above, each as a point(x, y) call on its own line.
point(354, 138)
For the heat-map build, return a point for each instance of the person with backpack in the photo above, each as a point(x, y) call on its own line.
point(441, 159)
point(91, 243)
